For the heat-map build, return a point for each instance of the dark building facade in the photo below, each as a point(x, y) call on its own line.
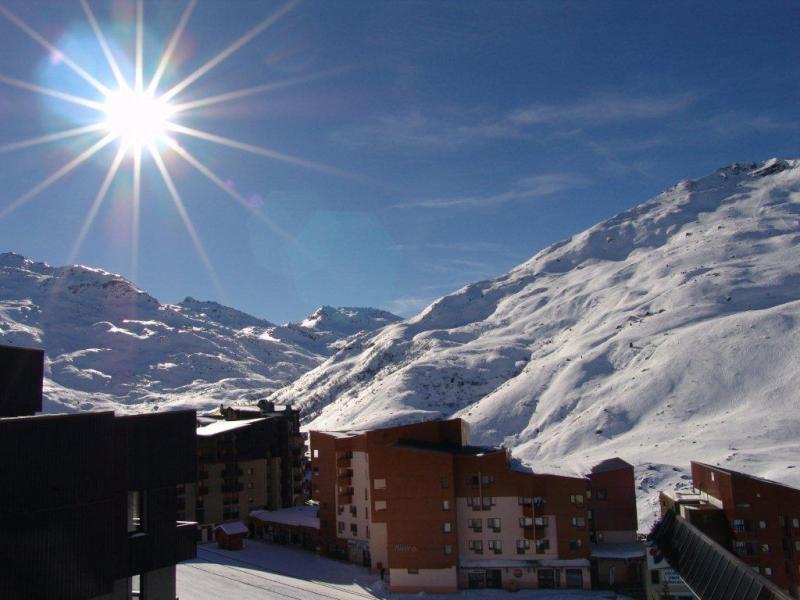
point(756, 519)
point(87, 507)
point(248, 459)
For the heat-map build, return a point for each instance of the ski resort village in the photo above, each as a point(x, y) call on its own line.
point(372, 475)
point(399, 300)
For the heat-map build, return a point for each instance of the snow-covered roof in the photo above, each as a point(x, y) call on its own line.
point(224, 426)
point(300, 516)
point(620, 551)
point(233, 528)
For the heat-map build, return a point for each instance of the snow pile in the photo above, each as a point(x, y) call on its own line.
point(110, 345)
point(665, 334)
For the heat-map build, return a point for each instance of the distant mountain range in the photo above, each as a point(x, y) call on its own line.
point(668, 333)
point(111, 345)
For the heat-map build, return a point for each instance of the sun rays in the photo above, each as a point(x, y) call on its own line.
point(141, 120)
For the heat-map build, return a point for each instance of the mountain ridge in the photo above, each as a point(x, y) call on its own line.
point(659, 335)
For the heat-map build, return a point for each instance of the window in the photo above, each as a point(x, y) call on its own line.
point(488, 502)
point(316, 453)
point(445, 483)
point(578, 522)
point(366, 512)
point(523, 545)
point(742, 505)
point(762, 524)
point(767, 570)
point(250, 499)
point(366, 497)
point(340, 509)
point(379, 484)
point(249, 485)
point(495, 546)
point(741, 525)
point(413, 571)
point(354, 528)
point(445, 504)
point(251, 470)
point(474, 502)
point(136, 516)
point(655, 576)
point(542, 545)
point(380, 505)
point(316, 471)
point(367, 531)
point(526, 521)
point(539, 500)
point(473, 481)
point(712, 475)
point(797, 545)
point(448, 549)
point(575, 544)
point(765, 548)
point(340, 526)
point(487, 479)
point(576, 499)
point(476, 546)
point(354, 510)
point(493, 524)
point(781, 520)
point(601, 494)
point(475, 525)
point(447, 527)
point(525, 500)
point(540, 521)
point(795, 522)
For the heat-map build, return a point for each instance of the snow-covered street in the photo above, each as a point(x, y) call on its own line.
point(265, 570)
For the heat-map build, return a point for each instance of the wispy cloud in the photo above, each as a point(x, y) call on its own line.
point(456, 128)
point(527, 188)
point(603, 108)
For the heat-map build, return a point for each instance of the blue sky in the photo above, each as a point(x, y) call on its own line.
point(462, 137)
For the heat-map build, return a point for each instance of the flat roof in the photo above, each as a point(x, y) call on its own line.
point(745, 475)
point(224, 427)
point(448, 448)
point(298, 516)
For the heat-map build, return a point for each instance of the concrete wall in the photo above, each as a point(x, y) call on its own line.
point(429, 580)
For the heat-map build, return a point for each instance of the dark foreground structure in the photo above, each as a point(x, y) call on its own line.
point(88, 501)
point(710, 571)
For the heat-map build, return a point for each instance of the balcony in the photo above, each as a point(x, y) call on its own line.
point(345, 495)
point(345, 462)
point(186, 544)
point(231, 487)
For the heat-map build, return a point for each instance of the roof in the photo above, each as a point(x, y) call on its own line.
point(233, 528)
point(298, 516)
point(619, 551)
point(611, 464)
point(733, 473)
point(224, 427)
point(448, 448)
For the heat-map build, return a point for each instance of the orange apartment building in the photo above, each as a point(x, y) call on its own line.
point(756, 519)
point(420, 505)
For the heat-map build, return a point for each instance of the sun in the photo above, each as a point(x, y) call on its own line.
point(145, 121)
point(136, 117)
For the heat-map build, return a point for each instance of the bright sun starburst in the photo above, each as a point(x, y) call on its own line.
point(140, 119)
point(136, 118)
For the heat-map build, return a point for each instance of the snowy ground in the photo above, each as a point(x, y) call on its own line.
point(265, 570)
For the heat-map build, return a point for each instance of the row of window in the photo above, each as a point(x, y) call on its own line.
point(749, 548)
point(746, 524)
point(340, 526)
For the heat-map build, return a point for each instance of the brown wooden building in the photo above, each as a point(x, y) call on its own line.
point(421, 505)
point(87, 507)
point(756, 519)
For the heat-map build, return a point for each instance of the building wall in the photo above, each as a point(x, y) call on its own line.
point(612, 503)
point(769, 512)
point(432, 580)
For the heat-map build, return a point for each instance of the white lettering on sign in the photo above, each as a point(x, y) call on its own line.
point(404, 548)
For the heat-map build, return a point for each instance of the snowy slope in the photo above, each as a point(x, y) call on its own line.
point(111, 345)
point(665, 334)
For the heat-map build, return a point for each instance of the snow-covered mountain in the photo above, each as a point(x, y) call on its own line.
point(111, 345)
point(668, 333)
